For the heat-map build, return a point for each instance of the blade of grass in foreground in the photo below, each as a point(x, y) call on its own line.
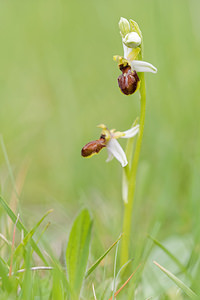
point(31, 233)
point(125, 283)
point(176, 260)
point(26, 289)
point(177, 281)
point(93, 267)
point(5, 240)
point(21, 227)
point(124, 266)
point(4, 268)
point(115, 268)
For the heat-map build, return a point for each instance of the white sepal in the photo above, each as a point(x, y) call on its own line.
point(130, 132)
point(124, 188)
point(127, 51)
point(142, 66)
point(116, 150)
point(110, 156)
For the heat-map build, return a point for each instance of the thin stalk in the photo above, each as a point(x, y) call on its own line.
point(128, 207)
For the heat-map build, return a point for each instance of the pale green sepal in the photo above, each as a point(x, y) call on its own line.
point(132, 40)
point(135, 27)
point(124, 26)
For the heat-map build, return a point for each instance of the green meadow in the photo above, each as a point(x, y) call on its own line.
point(58, 81)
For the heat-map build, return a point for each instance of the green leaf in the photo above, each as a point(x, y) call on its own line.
point(21, 227)
point(78, 250)
point(177, 281)
point(93, 267)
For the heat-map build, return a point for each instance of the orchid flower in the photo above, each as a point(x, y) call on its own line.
point(108, 139)
point(129, 63)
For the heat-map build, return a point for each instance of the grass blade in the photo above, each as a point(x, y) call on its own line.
point(8, 165)
point(5, 240)
point(78, 251)
point(6, 284)
point(13, 244)
point(93, 267)
point(122, 267)
point(57, 289)
point(21, 227)
point(30, 234)
point(176, 260)
point(115, 268)
point(95, 297)
point(125, 283)
point(177, 281)
point(27, 283)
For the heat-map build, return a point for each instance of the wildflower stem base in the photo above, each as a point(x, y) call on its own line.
point(128, 207)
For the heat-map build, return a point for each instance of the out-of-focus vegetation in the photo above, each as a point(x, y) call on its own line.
point(58, 81)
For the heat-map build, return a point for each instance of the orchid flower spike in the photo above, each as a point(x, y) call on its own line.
point(129, 64)
point(108, 139)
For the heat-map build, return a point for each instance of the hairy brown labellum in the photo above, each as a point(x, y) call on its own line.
point(93, 147)
point(128, 81)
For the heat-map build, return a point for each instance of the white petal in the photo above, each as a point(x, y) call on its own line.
point(127, 51)
point(116, 150)
point(132, 40)
point(110, 156)
point(142, 66)
point(131, 132)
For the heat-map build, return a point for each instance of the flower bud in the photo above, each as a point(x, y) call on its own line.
point(124, 26)
point(128, 81)
point(132, 40)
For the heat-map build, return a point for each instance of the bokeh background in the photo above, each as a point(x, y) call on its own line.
point(58, 81)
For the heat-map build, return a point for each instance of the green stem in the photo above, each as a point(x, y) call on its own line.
point(128, 207)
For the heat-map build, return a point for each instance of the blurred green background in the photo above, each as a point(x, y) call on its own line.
point(58, 81)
